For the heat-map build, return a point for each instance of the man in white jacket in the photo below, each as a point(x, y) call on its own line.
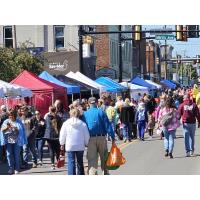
point(75, 136)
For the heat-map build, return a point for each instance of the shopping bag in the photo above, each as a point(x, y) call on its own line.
point(110, 168)
point(115, 157)
point(61, 160)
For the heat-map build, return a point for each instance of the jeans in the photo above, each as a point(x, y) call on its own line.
point(13, 156)
point(30, 147)
point(54, 149)
point(127, 131)
point(72, 156)
point(189, 133)
point(169, 140)
point(141, 129)
point(40, 144)
point(1, 153)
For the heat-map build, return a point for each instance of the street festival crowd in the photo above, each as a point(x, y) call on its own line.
point(91, 124)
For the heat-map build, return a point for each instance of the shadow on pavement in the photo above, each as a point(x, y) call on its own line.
point(194, 156)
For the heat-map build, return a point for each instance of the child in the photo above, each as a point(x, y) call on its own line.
point(151, 124)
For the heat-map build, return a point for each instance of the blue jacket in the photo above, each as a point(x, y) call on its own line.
point(98, 122)
point(22, 139)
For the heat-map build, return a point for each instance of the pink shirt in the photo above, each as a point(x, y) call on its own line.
point(175, 123)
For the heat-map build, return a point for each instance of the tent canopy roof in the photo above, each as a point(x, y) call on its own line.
point(70, 88)
point(31, 81)
point(168, 84)
point(142, 82)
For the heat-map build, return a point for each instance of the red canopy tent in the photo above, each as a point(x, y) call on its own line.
point(44, 92)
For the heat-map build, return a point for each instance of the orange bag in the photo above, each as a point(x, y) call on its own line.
point(115, 157)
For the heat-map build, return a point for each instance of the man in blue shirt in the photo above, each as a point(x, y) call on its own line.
point(98, 126)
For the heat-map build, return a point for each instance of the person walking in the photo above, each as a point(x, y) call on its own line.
point(75, 136)
point(30, 146)
point(169, 121)
point(189, 112)
point(98, 126)
point(13, 136)
point(126, 113)
point(52, 131)
point(141, 119)
point(37, 127)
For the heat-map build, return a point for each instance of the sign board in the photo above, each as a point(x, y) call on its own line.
point(58, 66)
point(164, 37)
point(106, 72)
point(86, 50)
point(159, 29)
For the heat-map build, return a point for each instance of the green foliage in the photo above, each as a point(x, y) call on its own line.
point(13, 62)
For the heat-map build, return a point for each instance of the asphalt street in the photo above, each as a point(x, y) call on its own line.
point(142, 158)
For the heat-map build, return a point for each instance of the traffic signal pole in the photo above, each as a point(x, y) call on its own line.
point(80, 35)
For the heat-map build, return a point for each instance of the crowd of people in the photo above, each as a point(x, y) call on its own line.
point(92, 123)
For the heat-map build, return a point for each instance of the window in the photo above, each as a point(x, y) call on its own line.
point(59, 36)
point(8, 37)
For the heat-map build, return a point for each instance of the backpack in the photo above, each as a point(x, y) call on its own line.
point(166, 119)
point(141, 115)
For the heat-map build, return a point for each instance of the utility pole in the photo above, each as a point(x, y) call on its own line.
point(80, 35)
point(120, 54)
point(165, 57)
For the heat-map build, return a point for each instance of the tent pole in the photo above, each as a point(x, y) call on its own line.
point(72, 97)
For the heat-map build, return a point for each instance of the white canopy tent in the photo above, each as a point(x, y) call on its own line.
point(13, 91)
point(153, 83)
point(135, 89)
point(91, 82)
point(82, 78)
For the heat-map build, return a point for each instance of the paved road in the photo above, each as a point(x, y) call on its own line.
point(147, 158)
point(143, 158)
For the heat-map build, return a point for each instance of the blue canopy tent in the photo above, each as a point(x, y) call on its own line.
point(71, 89)
point(168, 84)
point(108, 87)
point(111, 85)
point(142, 82)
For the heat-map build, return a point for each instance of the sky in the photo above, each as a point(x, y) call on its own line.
point(190, 48)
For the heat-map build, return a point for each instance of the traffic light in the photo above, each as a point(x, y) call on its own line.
point(87, 39)
point(193, 31)
point(185, 34)
point(179, 34)
point(157, 61)
point(138, 34)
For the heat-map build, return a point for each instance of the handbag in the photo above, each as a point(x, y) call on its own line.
point(61, 160)
point(167, 118)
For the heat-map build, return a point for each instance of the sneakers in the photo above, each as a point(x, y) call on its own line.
point(53, 167)
point(192, 153)
point(34, 165)
point(188, 154)
point(16, 172)
point(10, 172)
point(125, 140)
point(167, 153)
point(40, 163)
point(170, 156)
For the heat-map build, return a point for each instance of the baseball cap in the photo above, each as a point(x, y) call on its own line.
point(92, 100)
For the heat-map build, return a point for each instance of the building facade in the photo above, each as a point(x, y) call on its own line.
point(107, 52)
point(59, 43)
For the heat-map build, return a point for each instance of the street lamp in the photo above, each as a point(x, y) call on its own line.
point(149, 60)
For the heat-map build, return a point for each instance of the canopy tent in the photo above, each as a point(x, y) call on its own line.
point(13, 90)
point(67, 80)
point(153, 83)
point(70, 88)
point(168, 84)
point(142, 82)
point(135, 89)
point(110, 83)
point(44, 92)
point(1, 92)
point(89, 81)
point(175, 82)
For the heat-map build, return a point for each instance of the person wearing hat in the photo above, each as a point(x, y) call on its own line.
point(98, 125)
point(189, 112)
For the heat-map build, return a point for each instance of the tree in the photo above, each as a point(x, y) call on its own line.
point(13, 62)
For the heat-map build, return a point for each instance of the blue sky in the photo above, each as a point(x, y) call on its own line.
point(190, 48)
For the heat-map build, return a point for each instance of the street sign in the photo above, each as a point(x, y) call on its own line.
point(160, 29)
point(164, 37)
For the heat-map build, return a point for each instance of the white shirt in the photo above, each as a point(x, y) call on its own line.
point(74, 134)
